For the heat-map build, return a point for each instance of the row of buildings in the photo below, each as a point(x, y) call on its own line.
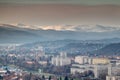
point(100, 66)
point(62, 59)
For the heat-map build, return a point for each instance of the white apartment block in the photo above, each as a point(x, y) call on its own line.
point(83, 60)
point(61, 60)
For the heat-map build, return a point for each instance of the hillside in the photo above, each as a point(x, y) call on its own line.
point(111, 49)
point(69, 46)
point(12, 34)
point(21, 34)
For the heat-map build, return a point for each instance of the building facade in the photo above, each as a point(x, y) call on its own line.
point(61, 60)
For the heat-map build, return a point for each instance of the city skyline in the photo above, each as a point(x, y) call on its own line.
point(59, 40)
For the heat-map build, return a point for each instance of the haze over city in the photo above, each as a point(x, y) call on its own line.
point(59, 39)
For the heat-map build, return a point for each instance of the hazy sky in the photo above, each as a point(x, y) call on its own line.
point(60, 12)
point(84, 2)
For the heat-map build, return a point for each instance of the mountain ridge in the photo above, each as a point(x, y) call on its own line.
point(16, 34)
point(111, 49)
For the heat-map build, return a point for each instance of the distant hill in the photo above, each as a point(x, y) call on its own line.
point(69, 46)
point(77, 46)
point(54, 41)
point(81, 48)
point(111, 49)
point(20, 34)
point(12, 34)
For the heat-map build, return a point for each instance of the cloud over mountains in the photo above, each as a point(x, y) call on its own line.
point(28, 33)
point(81, 28)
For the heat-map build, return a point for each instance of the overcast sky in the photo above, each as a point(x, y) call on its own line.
point(60, 12)
point(84, 2)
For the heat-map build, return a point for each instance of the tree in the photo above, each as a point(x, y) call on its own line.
point(66, 78)
point(43, 77)
point(30, 76)
point(1, 78)
point(60, 78)
point(71, 79)
point(49, 78)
